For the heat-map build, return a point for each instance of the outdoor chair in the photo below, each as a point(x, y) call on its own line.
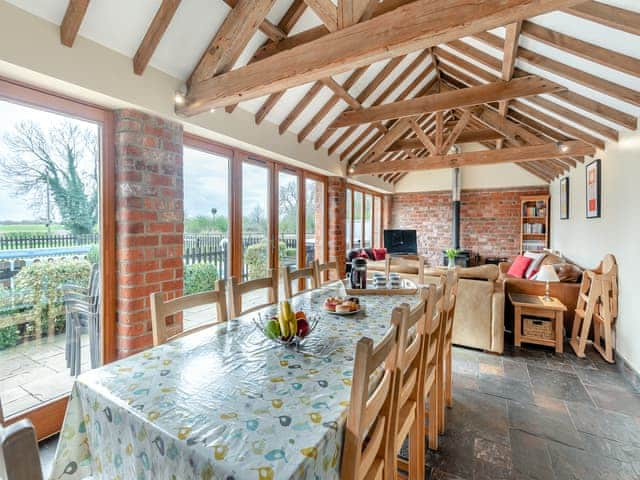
point(82, 317)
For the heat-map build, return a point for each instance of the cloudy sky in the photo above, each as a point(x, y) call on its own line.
point(205, 175)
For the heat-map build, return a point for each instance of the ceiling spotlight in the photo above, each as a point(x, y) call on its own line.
point(352, 170)
point(213, 110)
point(563, 147)
point(179, 98)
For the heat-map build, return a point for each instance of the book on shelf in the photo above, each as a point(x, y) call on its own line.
point(533, 228)
point(535, 209)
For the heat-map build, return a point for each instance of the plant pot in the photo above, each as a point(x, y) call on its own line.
point(452, 263)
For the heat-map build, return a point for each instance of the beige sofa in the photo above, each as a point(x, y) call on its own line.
point(479, 317)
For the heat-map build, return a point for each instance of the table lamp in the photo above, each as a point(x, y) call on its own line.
point(547, 274)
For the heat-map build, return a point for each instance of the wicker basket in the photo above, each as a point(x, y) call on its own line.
point(538, 328)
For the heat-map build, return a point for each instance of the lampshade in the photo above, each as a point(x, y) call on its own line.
point(547, 274)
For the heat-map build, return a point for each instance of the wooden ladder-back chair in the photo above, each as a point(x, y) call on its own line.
point(406, 262)
point(431, 359)
point(598, 305)
point(19, 455)
point(292, 277)
point(446, 349)
point(367, 451)
point(161, 309)
point(237, 290)
point(326, 267)
point(409, 389)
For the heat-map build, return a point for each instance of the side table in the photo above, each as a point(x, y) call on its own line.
point(537, 306)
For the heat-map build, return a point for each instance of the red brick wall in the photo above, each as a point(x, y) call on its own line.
point(149, 219)
point(337, 201)
point(489, 226)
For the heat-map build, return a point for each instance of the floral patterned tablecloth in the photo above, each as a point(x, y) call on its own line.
point(224, 403)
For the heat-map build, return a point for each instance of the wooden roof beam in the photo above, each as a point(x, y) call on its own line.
point(468, 136)
point(326, 11)
point(227, 44)
point(416, 25)
point(618, 117)
point(485, 157)
point(159, 25)
point(614, 17)
point(73, 16)
point(510, 52)
point(468, 97)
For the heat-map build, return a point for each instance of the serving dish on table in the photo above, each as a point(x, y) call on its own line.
point(342, 305)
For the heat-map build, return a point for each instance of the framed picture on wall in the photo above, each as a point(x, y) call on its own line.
point(594, 189)
point(564, 198)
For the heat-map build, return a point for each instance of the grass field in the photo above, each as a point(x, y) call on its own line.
point(28, 228)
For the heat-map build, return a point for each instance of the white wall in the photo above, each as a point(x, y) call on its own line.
point(586, 241)
point(31, 52)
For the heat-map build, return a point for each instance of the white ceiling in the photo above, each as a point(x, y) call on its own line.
point(121, 24)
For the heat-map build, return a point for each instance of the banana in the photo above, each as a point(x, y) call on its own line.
point(284, 324)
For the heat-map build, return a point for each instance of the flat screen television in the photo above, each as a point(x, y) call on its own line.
point(400, 241)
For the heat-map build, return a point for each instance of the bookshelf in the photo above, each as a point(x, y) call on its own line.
point(534, 223)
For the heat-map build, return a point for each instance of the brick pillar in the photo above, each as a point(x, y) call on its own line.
point(149, 220)
point(387, 207)
point(337, 195)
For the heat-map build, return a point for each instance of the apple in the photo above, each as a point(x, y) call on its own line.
point(303, 327)
point(272, 329)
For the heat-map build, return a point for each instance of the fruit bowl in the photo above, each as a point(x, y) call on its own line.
point(273, 327)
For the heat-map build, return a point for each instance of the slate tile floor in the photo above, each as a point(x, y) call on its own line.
point(535, 415)
point(531, 415)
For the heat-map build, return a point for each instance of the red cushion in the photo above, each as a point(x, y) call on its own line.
point(362, 254)
point(379, 253)
point(519, 266)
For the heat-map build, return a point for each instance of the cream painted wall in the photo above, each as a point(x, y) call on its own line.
point(617, 232)
point(31, 52)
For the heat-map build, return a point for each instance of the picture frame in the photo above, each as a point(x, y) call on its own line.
point(564, 198)
point(593, 189)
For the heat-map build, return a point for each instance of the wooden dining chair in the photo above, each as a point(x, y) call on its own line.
point(404, 419)
point(367, 451)
point(331, 268)
point(237, 290)
point(404, 264)
point(446, 361)
point(161, 309)
point(431, 363)
point(292, 277)
point(19, 455)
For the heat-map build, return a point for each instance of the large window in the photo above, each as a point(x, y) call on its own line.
point(363, 218)
point(56, 199)
point(206, 223)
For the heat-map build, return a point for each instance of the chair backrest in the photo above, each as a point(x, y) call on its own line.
point(19, 455)
point(367, 446)
point(326, 267)
point(434, 323)
point(409, 261)
point(237, 290)
point(161, 309)
point(449, 303)
point(290, 277)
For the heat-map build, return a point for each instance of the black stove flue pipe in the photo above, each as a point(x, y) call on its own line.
point(455, 209)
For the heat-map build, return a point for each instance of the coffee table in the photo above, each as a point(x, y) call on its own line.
point(537, 306)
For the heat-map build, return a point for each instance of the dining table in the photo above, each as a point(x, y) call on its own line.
point(225, 402)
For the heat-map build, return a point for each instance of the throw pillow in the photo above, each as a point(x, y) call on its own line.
point(568, 272)
point(519, 266)
point(363, 254)
point(379, 253)
point(534, 266)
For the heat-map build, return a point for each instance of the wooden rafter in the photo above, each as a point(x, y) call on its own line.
point(353, 11)
point(614, 17)
point(467, 136)
point(76, 10)
point(423, 137)
point(299, 108)
point(485, 157)
point(511, 40)
point(326, 11)
point(225, 48)
point(579, 76)
point(455, 133)
point(417, 25)
point(594, 107)
point(269, 29)
point(586, 123)
point(159, 25)
point(492, 92)
point(589, 51)
point(371, 88)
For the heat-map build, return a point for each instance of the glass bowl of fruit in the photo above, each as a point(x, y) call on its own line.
point(288, 328)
